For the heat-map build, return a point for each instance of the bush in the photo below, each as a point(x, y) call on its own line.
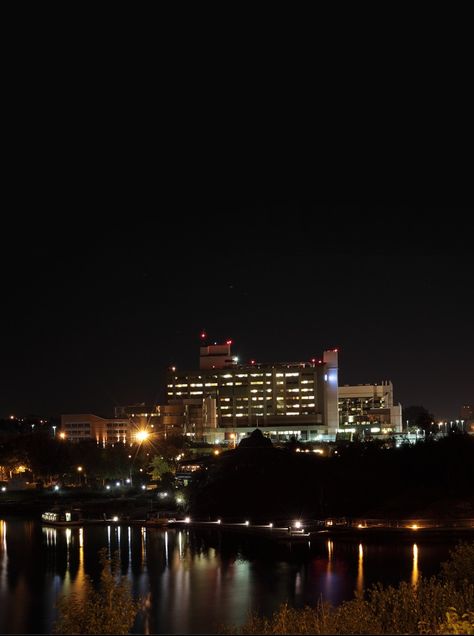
point(457, 625)
point(108, 610)
point(439, 605)
point(460, 566)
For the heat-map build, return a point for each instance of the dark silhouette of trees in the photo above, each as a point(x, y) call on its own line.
point(256, 439)
point(419, 417)
point(363, 479)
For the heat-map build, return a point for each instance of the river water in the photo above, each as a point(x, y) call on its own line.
point(195, 580)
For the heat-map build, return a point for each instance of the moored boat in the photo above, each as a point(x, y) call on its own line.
point(62, 518)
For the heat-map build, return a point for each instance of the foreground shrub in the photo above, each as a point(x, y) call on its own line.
point(459, 568)
point(107, 610)
point(406, 609)
point(456, 624)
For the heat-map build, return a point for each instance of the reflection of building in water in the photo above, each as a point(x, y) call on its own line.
point(75, 584)
point(360, 570)
point(3, 554)
point(180, 543)
point(143, 545)
point(51, 535)
point(330, 550)
point(414, 572)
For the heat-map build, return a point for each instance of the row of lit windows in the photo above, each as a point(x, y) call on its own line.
point(245, 375)
point(70, 425)
point(215, 384)
point(260, 413)
point(270, 406)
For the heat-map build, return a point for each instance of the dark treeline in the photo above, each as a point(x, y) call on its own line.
point(49, 459)
point(428, 478)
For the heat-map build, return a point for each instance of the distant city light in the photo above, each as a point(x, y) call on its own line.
point(141, 436)
point(187, 520)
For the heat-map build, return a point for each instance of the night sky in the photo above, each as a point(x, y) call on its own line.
point(97, 306)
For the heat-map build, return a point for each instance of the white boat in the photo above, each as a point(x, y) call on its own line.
point(62, 518)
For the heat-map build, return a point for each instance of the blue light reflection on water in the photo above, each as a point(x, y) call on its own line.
point(194, 581)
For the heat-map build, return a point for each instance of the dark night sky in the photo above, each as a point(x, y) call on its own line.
point(151, 190)
point(99, 305)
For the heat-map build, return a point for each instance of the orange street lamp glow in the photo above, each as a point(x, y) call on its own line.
point(62, 435)
point(79, 468)
point(141, 436)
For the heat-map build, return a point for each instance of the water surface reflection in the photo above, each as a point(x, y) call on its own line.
point(195, 581)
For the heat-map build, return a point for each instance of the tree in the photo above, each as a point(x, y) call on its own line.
point(459, 568)
point(256, 439)
point(419, 417)
point(107, 610)
point(159, 467)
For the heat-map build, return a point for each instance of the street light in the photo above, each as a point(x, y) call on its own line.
point(142, 436)
point(54, 430)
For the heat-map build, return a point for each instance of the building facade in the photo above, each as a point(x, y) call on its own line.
point(369, 409)
point(467, 418)
point(80, 427)
point(222, 401)
point(286, 399)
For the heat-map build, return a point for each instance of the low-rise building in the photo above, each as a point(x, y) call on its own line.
point(83, 426)
point(369, 409)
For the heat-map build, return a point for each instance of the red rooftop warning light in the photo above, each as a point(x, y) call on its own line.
point(252, 361)
point(229, 342)
point(203, 334)
point(335, 350)
point(313, 360)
